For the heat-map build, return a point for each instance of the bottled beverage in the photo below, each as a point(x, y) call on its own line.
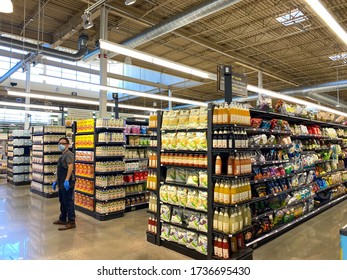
point(215, 139)
point(236, 165)
point(232, 114)
point(234, 244)
point(215, 219)
point(215, 246)
point(218, 165)
point(225, 114)
point(226, 222)
point(216, 192)
point(231, 139)
point(230, 165)
point(240, 218)
point(232, 222)
point(220, 247)
point(225, 249)
point(215, 115)
point(220, 220)
point(220, 115)
point(220, 139)
point(225, 139)
point(221, 192)
point(233, 193)
point(226, 198)
point(248, 216)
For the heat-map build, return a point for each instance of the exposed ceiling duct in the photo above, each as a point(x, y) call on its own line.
point(196, 13)
point(14, 69)
point(82, 48)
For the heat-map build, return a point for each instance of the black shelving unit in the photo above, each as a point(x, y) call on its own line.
point(18, 158)
point(130, 205)
point(154, 237)
point(45, 154)
point(95, 207)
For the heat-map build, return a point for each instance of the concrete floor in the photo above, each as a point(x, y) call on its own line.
point(27, 232)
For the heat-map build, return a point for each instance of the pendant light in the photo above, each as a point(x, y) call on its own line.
point(6, 7)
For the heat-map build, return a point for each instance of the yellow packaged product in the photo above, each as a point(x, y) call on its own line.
point(183, 119)
point(165, 121)
point(173, 120)
point(181, 141)
point(172, 194)
point(194, 118)
point(192, 141)
point(201, 141)
point(203, 118)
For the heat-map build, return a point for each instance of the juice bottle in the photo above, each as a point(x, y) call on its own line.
point(215, 139)
point(215, 114)
point(154, 181)
point(248, 216)
point(215, 220)
point(248, 116)
point(232, 222)
point(220, 220)
point(249, 189)
point(236, 165)
point(220, 247)
point(231, 139)
point(218, 165)
point(225, 249)
point(232, 113)
point(233, 198)
point(225, 114)
point(221, 192)
point(230, 165)
point(216, 192)
point(155, 121)
point(226, 222)
point(225, 139)
point(240, 218)
point(220, 139)
point(220, 115)
point(215, 246)
point(226, 199)
point(242, 163)
point(233, 244)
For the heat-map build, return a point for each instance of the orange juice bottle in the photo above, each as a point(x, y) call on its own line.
point(225, 114)
point(215, 114)
point(220, 114)
point(216, 192)
point(233, 198)
point(226, 193)
point(218, 165)
point(236, 165)
point(221, 192)
point(231, 113)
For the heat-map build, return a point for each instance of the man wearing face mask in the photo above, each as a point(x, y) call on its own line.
point(65, 182)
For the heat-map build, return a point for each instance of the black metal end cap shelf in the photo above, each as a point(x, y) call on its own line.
point(109, 173)
point(184, 227)
point(245, 229)
point(242, 254)
point(100, 129)
point(137, 146)
point(109, 200)
point(108, 158)
point(184, 186)
point(43, 194)
point(184, 151)
point(109, 143)
point(136, 193)
point(226, 177)
point(134, 159)
point(84, 177)
point(184, 207)
point(183, 130)
point(184, 167)
point(183, 250)
point(83, 192)
point(226, 126)
point(134, 207)
point(134, 183)
point(138, 134)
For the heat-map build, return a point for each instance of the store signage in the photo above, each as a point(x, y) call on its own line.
point(239, 82)
point(79, 114)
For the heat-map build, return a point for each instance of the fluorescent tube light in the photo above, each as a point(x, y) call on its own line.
point(23, 105)
point(74, 100)
point(323, 13)
point(117, 48)
point(138, 93)
point(293, 100)
point(5, 110)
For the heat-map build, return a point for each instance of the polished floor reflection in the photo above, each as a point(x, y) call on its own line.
point(27, 232)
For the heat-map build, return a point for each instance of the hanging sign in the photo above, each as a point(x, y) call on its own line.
point(238, 80)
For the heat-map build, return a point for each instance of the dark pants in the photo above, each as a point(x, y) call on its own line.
point(67, 206)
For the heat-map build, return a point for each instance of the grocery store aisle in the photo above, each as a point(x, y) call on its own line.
point(27, 232)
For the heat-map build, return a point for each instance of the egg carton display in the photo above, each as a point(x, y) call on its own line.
point(51, 138)
point(20, 133)
point(49, 129)
point(18, 151)
point(37, 139)
point(21, 178)
point(21, 160)
point(51, 148)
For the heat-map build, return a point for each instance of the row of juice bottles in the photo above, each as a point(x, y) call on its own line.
point(152, 163)
point(231, 192)
point(152, 181)
point(237, 164)
point(230, 139)
point(233, 220)
point(152, 204)
point(222, 248)
point(152, 224)
point(234, 113)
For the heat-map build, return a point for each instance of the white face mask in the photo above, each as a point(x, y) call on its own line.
point(61, 147)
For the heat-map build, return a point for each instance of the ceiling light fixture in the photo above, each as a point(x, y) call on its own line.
point(6, 7)
point(323, 13)
point(23, 105)
point(293, 100)
point(87, 20)
point(117, 48)
point(136, 93)
point(75, 100)
point(129, 2)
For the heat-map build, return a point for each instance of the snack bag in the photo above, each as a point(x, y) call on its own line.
point(203, 223)
point(183, 119)
point(202, 201)
point(192, 240)
point(193, 199)
point(165, 213)
point(182, 195)
point(172, 193)
point(182, 237)
point(202, 244)
point(164, 193)
point(165, 231)
point(203, 179)
point(193, 178)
